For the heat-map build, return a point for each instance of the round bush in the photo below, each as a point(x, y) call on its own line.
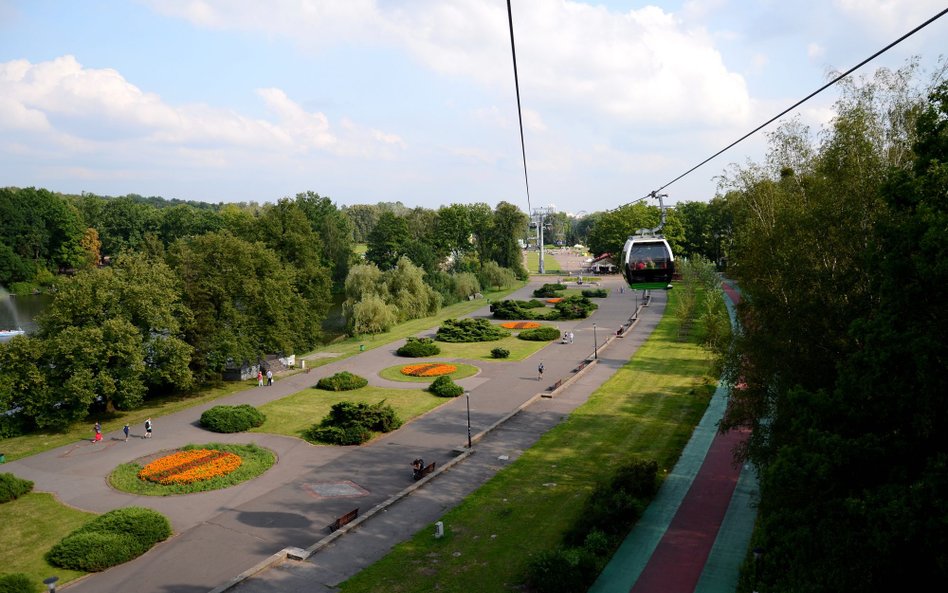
point(232, 418)
point(500, 353)
point(92, 552)
point(419, 348)
point(16, 583)
point(342, 381)
point(113, 538)
point(445, 387)
point(13, 487)
point(354, 434)
point(540, 334)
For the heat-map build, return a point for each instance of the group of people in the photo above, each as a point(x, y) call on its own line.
point(567, 338)
point(260, 378)
point(125, 430)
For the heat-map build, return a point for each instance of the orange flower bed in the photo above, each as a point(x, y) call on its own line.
point(520, 325)
point(554, 300)
point(185, 467)
point(431, 369)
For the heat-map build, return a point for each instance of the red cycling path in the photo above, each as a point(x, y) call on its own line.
point(695, 534)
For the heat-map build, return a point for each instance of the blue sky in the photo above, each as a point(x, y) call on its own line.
point(413, 100)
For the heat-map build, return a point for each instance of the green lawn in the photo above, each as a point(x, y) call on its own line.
point(29, 527)
point(648, 409)
point(549, 263)
point(295, 413)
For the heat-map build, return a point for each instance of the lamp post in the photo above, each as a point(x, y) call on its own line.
point(467, 397)
point(595, 343)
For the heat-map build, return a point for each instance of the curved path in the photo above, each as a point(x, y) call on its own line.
point(222, 533)
point(695, 534)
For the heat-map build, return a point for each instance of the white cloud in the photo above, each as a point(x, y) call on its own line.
point(639, 66)
point(63, 104)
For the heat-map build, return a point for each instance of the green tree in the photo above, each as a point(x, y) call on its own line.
point(333, 228)
point(388, 241)
point(509, 224)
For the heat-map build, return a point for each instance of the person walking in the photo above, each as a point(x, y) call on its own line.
point(147, 429)
point(259, 378)
point(125, 430)
point(540, 372)
point(269, 377)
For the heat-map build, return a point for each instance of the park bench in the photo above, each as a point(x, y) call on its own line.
point(347, 518)
point(425, 471)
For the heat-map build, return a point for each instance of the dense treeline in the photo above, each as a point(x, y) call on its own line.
point(154, 296)
point(840, 250)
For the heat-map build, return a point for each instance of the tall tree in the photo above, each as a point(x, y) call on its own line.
point(388, 241)
point(509, 224)
point(334, 229)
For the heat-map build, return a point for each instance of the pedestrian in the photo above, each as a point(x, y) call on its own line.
point(97, 427)
point(147, 429)
point(259, 378)
point(540, 372)
point(269, 377)
point(125, 430)
point(571, 337)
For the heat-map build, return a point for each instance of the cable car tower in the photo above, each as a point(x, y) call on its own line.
point(647, 259)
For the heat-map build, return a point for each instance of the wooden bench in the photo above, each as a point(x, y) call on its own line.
point(425, 471)
point(347, 518)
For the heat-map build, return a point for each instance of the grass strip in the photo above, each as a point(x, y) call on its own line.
point(647, 409)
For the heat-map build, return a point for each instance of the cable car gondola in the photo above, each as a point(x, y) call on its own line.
point(647, 259)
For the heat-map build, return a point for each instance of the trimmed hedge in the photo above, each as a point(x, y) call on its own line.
point(16, 583)
point(595, 293)
point(110, 539)
point(350, 423)
point(342, 381)
point(445, 387)
point(419, 348)
point(232, 418)
point(548, 291)
point(574, 307)
point(500, 353)
point(470, 330)
point(12, 487)
point(540, 334)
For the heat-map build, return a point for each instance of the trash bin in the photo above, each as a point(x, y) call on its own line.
point(361, 347)
point(2, 458)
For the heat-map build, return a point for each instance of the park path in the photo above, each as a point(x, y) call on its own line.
point(220, 534)
point(693, 537)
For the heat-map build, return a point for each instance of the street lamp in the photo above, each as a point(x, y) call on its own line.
point(51, 584)
point(467, 397)
point(595, 343)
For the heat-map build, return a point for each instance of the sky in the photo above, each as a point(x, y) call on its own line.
point(369, 101)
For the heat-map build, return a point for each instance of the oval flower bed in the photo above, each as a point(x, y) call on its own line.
point(431, 369)
point(186, 467)
point(554, 300)
point(192, 468)
point(520, 325)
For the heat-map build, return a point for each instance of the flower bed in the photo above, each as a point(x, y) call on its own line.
point(186, 467)
point(431, 369)
point(520, 325)
point(555, 300)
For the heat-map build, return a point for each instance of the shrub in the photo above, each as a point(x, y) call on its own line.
point(540, 334)
point(12, 487)
point(500, 353)
point(562, 570)
point(548, 290)
point(351, 423)
point(470, 330)
point(445, 387)
point(575, 307)
point(342, 381)
point(113, 538)
point(232, 418)
point(513, 309)
point(16, 583)
point(419, 348)
point(596, 293)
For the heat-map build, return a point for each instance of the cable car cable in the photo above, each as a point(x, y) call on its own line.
point(795, 105)
point(523, 149)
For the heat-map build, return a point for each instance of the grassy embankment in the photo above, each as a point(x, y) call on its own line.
point(550, 265)
point(647, 409)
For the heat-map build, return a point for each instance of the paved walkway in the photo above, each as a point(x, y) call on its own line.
point(220, 534)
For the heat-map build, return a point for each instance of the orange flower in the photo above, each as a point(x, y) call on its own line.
point(185, 467)
point(520, 325)
point(431, 369)
point(554, 300)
